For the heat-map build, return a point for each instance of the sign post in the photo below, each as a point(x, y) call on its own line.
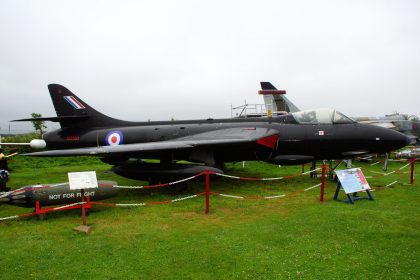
point(81, 181)
point(352, 181)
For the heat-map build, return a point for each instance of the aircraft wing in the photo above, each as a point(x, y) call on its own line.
point(220, 137)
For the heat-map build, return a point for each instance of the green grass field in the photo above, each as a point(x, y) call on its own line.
point(294, 237)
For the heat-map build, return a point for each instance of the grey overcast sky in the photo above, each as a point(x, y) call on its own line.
point(141, 60)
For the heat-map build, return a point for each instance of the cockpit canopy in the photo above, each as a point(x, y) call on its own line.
point(321, 116)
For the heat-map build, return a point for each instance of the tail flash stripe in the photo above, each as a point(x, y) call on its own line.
point(74, 102)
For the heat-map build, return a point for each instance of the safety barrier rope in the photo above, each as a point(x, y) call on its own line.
point(380, 174)
point(196, 195)
point(34, 213)
point(230, 195)
point(161, 185)
point(382, 161)
point(404, 166)
point(9, 218)
point(393, 160)
point(213, 193)
point(391, 184)
point(218, 174)
point(266, 197)
point(399, 178)
point(265, 179)
point(317, 185)
point(69, 205)
point(146, 203)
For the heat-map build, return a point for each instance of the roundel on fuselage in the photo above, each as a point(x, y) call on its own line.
point(114, 138)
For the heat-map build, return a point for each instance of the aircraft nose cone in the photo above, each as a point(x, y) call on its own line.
point(386, 140)
point(403, 140)
point(408, 140)
point(400, 140)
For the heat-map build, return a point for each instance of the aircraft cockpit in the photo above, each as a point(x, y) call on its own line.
point(321, 116)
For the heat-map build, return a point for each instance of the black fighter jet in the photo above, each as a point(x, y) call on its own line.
point(296, 138)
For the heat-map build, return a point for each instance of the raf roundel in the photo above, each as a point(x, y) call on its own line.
point(114, 138)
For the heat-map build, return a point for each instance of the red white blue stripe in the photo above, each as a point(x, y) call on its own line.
point(74, 102)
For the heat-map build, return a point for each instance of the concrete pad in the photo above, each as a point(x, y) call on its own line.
point(82, 228)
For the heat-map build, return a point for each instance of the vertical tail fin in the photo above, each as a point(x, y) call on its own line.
point(74, 112)
point(267, 86)
point(275, 100)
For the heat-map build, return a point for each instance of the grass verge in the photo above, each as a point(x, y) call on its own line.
point(295, 237)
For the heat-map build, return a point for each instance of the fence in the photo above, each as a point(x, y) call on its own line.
point(207, 193)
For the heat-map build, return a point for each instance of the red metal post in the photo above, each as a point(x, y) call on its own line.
point(207, 174)
point(413, 160)
point(37, 208)
point(321, 198)
point(83, 208)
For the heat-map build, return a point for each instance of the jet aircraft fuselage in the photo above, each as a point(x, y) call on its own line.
point(295, 138)
point(288, 140)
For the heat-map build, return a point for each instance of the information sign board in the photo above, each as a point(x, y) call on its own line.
point(82, 180)
point(352, 180)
